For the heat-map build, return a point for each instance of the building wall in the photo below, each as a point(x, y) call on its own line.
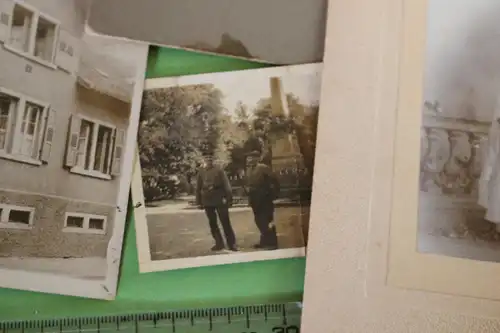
point(48, 85)
point(50, 187)
point(47, 238)
point(71, 13)
point(102, 107)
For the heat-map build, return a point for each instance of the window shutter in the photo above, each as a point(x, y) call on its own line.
point(13, 111)
point(48, 138)
point(118, 152)
point(6, 9)
point(67, 51)
point(72, 144)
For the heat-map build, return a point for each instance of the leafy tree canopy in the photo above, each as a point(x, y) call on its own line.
point(180, 123)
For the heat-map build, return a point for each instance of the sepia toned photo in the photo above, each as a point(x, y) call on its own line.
point(67, 132)
point(225, 166)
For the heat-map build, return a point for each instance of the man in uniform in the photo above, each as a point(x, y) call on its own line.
point(214, 195)
point(258, 141)
point(262, 188)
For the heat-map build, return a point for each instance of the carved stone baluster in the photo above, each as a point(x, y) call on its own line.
point(439, 153)
point(424, 143)
point(424, 152)
point(456, 169)
point(478, 143)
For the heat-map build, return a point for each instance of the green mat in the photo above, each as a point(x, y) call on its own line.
point(249, 283)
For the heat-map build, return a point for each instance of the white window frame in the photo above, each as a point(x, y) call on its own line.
point(86, 218)
point(15, 155)
point(4, 222)
point(32, 35)
point(93, 173)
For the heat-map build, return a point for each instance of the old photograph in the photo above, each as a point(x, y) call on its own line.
point(444, 185)
point(67, 133)
point(459, 201)
point(225, 166)
point(294, 29)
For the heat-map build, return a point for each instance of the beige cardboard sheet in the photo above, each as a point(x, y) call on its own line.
point(363, 218)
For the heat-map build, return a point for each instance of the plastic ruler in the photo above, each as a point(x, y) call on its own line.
point(273, 318)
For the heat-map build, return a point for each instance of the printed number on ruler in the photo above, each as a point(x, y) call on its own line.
point(278, 318)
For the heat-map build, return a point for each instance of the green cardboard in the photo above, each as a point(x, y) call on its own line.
point(237, 284)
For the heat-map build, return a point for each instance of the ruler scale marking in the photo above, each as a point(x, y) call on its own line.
point(247, 315)
point(281, 318)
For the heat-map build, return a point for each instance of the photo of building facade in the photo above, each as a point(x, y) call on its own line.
point(64, 112)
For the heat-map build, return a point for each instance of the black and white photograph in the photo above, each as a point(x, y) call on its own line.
point(67, 135)
point(459, 209)
point(225, 167)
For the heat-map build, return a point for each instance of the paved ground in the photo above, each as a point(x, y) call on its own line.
point(458, 233)
point(179, 233)
point(88, 268)
point(466, 248)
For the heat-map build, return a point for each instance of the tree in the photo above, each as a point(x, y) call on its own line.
point(278, 126)
point(242, 114)
point(234, 133)
point(306, 131)
point(301, 123)
point(176, 124)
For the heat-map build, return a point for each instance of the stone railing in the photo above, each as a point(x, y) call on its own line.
point(451, 155)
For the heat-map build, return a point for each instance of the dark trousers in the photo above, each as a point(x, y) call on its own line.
point(223, 212)
point(263, 212)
